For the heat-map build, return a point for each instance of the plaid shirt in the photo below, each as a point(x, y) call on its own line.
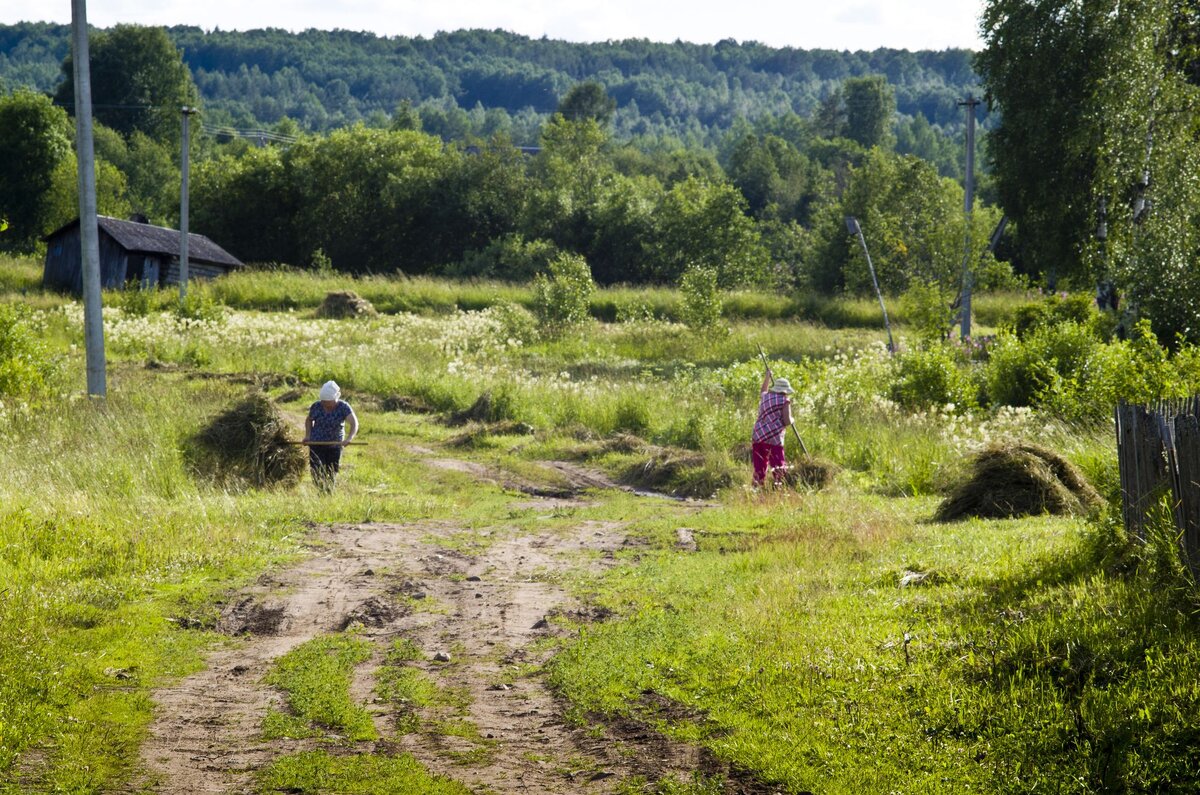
point(772, 418)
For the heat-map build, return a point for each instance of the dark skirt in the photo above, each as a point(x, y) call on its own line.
point(325, 461)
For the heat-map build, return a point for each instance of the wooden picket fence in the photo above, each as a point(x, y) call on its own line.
point(1158, 452)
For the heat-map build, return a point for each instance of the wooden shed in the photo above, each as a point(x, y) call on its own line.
point(131, 252)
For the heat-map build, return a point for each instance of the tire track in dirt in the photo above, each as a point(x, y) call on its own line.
point(482, 614)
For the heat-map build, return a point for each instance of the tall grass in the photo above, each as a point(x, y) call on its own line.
point(1018, 664)
point(283, 289)
point(108, 548)
point(788, 629)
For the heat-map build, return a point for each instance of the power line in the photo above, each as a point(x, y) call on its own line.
point(260, 135)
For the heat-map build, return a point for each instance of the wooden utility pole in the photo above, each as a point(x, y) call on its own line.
point(89, 235)
point(969, 201)
point(853, 227)
point(183, 205)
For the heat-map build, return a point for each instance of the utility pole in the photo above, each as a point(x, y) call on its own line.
point(969, 205)
point(853, 227)
point(89, 235)
point(183, 205)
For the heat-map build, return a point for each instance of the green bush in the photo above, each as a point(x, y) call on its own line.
point(511, 257)
point(701, 310)
point(1029, 371)
point(26, 367)
point(1053, 311)
point(561, 300)
point(199, 305)
point(927, 307)
point(933, 377)
point(516, 322)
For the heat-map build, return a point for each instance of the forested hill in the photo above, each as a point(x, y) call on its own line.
point(481, 81)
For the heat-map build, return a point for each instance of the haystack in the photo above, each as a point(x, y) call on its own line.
point(1019, 480)
point(810, 471)
point(477, 433)
point(406, 403)
point(804, 470)
point(343, 304)
point(248, 445)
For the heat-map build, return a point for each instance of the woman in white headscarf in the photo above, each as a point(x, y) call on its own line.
point(324, 434)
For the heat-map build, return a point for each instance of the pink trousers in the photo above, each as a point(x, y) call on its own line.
point(765, 454)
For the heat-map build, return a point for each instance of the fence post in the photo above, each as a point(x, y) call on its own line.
point(1141, 452)
point(1186, 482)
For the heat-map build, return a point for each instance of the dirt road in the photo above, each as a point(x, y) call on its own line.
point(476, 619)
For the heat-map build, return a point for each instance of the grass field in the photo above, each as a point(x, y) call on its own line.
point(834, 641)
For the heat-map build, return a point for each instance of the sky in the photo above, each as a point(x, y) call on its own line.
point(808, 24)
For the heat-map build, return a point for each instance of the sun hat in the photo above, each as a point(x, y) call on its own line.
point(781, 385)
point(330, 391)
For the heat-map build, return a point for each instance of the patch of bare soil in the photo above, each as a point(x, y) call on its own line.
point(475, 618)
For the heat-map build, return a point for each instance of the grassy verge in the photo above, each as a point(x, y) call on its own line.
point(1013, 660)
point(364, 774)
point(316, 680)
point(1017, 658)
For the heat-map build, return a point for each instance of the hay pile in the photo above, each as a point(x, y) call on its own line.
point(807, 471)
point(1019, 480)
point(811, 472)
point(246, 445)
point(484, 409)
point(406, 403)
point(478, 433)
point(343, 304)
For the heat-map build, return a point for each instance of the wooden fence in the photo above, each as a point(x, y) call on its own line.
point(1158, 452)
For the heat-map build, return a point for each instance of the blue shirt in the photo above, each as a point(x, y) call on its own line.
point(328, 426)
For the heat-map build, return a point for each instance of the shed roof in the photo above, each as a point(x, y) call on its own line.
point(150, 239)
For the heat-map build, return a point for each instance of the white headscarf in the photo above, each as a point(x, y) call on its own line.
point(330, 391)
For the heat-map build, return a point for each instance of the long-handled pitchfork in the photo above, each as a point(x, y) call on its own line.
point(767, 367)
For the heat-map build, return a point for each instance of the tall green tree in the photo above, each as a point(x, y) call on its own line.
point(1148, 159)
point(588, 100)
point(912, 220)
point(704, 224)
point(1041, 67)
point(35, 138)
point(139, 82)
point(870, 108)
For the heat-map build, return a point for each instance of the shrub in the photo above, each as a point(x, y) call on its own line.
point(136, 301)
point(26, 368)
point(561, 300)
point(928, 310)
point(933, 377)
point(1053, 311)
point(701, 309)
point(1028, 372)
point(199, 305)
point(516, 322)
point(511, 257)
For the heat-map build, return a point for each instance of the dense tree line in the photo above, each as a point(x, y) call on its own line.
point(482, 82)
point(763, 205)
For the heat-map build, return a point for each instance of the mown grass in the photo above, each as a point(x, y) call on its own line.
point(315, 678)
point(789, 646)
point(276, 289)
point(362, 774)
point(1036, 656)
point(109, 549)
